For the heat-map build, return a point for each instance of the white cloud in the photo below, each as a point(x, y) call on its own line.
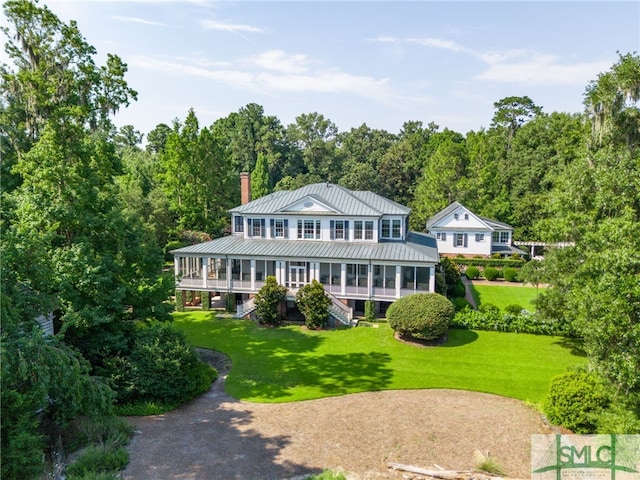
point(229, 27)
point(438, 43)
point(278, 60)
point(138, 20)
point(382, 39)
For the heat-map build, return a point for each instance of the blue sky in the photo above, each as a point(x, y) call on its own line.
point(379, 63)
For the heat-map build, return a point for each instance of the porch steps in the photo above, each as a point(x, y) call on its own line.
point(245, 308)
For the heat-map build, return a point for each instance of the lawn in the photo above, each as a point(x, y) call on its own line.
point(503, 295)
point(291, 363)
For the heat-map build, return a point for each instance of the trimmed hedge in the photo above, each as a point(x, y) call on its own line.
point(424, 316)
point(491, 318)
point(491, 273)
point(472, 272)
point(576, 399)
point(510, 274)
point(489, 262)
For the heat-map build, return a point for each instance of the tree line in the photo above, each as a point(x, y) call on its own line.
point(86, 213)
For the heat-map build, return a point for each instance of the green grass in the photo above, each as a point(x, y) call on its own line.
point(503, 295)
point(291, 364)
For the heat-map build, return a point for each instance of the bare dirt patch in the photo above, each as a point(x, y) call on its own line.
point(219, 437)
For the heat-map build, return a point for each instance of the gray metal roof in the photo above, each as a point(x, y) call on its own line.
point(342, 200)
point(420, 248)
point(492, 224)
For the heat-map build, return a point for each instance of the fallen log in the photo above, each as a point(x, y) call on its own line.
point(448, 474)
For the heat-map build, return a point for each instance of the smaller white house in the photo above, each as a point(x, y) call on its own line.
point(459, 231)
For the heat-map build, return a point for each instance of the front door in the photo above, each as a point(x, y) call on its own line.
point(297, 274)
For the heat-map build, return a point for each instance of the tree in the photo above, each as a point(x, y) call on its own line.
point(314, 304)
point(157, 138)
point(268, 300)
point(513, 112)
point(260, 184)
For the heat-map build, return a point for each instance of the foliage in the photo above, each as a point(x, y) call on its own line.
point(513, 308)
point(425, 316)
point(369, 311)
point(489, 317)
point(531, 272)
point(291, 363)
point(488, 262)
point(457, 290)
point(510, 274)
point(460, 303)
point(472, 272)
point(327, 475)
point(160, 367)
point(143, 408)
point(491, 273)
point(622, 416)
point(451, 275)
point(314, 304)
point(268, 300)
point(230, 302)
point(98, 460)
point(575, 401)
point(489, 465)
point(103, 431)
point(260, 181)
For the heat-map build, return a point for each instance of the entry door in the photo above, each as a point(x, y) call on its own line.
point(297, 276)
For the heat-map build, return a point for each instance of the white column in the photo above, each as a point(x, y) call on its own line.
point(432, 279)
point(343, 278)
point(370, 281)
point(205, 268)
point(253, 274)
point(398, 280)
point(228, 274)
point(176, 265)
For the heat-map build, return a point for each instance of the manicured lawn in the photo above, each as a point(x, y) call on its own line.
point(503, 295)
point(290, 363)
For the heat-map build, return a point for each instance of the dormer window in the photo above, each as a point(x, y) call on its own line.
point(238, 224)
point(256, 227)
point(339, 229)
point(455, 215)
point(466, 216)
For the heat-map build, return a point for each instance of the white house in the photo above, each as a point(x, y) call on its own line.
point(459, 231)
point(356, 243)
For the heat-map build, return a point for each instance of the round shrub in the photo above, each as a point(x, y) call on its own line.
point(510, 274)
point(575, 401)
point(491, 273)
point(425, 316)
point(472, 272)
point(514, 309)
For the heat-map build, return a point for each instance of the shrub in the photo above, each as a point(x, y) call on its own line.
point(496, 256)
point(458, 290)
point(451, 274)
point(489, 317)
point(369, 311)
point(510, 274)
point(230, 303)
point(268, 300)
point(472, 272)
point(98, 459)
point(425, 316)
point(513, 308)
point(575, 401)
point(107, 431)
point(491, 273)
point(161, 366)
point(441, 283)
point(460, 303)
point(313, 302)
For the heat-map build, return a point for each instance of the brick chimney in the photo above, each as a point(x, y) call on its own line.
point(245, 188)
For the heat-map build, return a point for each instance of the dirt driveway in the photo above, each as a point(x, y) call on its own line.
point(217, 437)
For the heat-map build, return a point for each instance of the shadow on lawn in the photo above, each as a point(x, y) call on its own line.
point(460, 336)
point(574, 345)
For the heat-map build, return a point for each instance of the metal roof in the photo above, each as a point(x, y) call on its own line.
point(419, 248)
point(342, 200)
point(492, 224)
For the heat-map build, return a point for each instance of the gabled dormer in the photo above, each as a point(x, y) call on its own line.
point(309, 204)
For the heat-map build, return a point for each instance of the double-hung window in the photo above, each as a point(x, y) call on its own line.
point(279, 228)
point(339, 229)
point(256, 227)
point(395, 229)
point(479, 237)
point(504, 237)
point(386, 229)
point(309, 229)
point(442, 236)
point(238, 224)
point(460, 239)
point(357, 230)
point(368, 230)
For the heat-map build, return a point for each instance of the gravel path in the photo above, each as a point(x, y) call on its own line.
point(218, 437)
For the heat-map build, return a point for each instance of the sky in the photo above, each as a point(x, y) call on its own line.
point(376, 62)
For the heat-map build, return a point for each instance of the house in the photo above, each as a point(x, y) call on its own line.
point(355, 243)
point(459, 231)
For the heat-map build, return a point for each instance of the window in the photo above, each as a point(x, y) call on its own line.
point(256, 227)
point(504, 237)
point(337, 230)
point(466, 216)
point(309, 229)
point(386, 229)
point(442, 236)
point(279, 228)
point(395, 231)
point(368, 230)
point(460, 239)
point(238, 223)
point(455, 215)
point(479, 237)
point(357, 230)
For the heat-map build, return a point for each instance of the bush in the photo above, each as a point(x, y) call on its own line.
point(514, 309)
point(451, 275)
point(109, 431)
point(313, 302)
point(425, 316)
point(575, 401)
point(230, 302)
point(460, 303)
point(489, 317)
point(161, 367)
point(491, 273)
point(268, 300)
point(472, 272)
point(457, 290)
point(369, 311)
point(510, 274)
point(98, 459)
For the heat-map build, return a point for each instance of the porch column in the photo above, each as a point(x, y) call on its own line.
point(205, 268)
point(432, 279)
point(176, 265)
point(370, 281)
point(253, 274)
point(343, 278)
point(398, 280)
point(228, 274)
